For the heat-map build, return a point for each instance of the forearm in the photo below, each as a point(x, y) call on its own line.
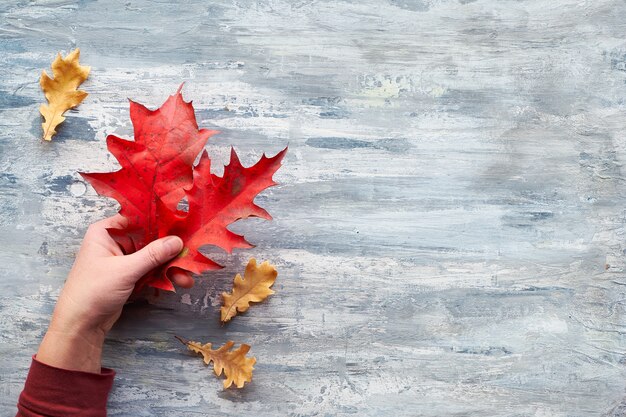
point(66, 378)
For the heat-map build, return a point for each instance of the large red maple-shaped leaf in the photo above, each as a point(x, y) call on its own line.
point(157, 172)
point(156, 167)
point(215, 202)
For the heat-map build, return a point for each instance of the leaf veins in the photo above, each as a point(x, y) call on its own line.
point(236, 366)
point(253, 287)
point(61, 92)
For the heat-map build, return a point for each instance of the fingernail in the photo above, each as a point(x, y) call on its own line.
point(173, 245)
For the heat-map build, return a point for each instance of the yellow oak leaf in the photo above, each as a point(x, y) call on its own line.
point(253, 287)
point(61, 92)
point(236, 366)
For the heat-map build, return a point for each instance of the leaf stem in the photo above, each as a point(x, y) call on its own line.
point(182, 340)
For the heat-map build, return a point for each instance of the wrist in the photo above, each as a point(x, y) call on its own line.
point(83, 333)
point(82, 317)
point(72, 345)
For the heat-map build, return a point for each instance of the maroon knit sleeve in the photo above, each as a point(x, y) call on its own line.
point(53, 392)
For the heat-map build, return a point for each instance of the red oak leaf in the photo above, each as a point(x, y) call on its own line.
point(156, 167)
point(215, 202)
point(157, 172)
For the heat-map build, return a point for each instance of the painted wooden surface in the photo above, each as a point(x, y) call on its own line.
point(450, 225)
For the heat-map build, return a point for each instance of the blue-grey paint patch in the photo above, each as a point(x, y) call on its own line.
point(72, 128)
point(58, 184)
point(618, 411)
point(331, 107)
point(8, 180)
point(334, 114)
point(323, 101)
point(412, 5)
point(390, 145)
point(618, 60)
point(12, 100)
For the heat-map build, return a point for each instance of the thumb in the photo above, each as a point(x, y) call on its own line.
point(153, 255)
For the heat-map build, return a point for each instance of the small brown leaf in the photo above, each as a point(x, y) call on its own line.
point(236, 366)
point(254, 287)
point(61, 92)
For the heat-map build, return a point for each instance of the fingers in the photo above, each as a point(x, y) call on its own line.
point(115, 222)
point(182, 279)
point(98, 231)
point(153, 255)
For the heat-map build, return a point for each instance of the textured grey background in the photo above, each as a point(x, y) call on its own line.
point(450, 225)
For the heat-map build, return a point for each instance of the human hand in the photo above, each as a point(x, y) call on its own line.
point(95, 291)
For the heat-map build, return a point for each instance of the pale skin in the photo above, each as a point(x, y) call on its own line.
point(97, 287)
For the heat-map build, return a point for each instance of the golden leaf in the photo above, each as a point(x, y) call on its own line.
point(236, 367)
point(61, 92)
point(254, 287)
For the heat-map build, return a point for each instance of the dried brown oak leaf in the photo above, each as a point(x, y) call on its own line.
point(236, 366)
point(253, 287)
point(61, 92)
